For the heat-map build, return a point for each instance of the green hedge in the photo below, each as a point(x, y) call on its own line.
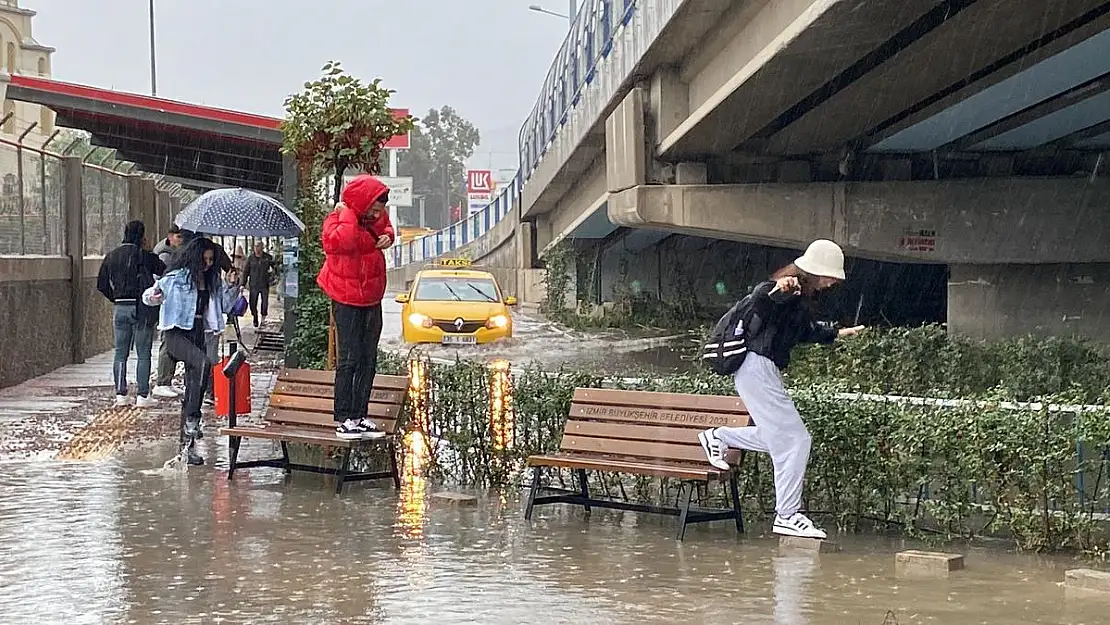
point(982, 469)
point(924, 361)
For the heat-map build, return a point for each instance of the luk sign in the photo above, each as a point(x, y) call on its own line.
point(479, 182)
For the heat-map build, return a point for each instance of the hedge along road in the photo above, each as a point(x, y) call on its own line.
point(549, 345)
point(540, 342)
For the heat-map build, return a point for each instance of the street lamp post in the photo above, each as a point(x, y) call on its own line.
point(569, 16)
point(153, 57)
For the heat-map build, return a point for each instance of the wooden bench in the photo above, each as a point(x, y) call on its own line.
point(301, 412)
point(642, 433)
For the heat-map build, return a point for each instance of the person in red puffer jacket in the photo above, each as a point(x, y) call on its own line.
point(353, 276)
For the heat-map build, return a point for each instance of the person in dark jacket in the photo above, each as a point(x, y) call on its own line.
point(784, 306)
point(256, 275)
point(125, 273)
point(353, 276)
point(166, 249)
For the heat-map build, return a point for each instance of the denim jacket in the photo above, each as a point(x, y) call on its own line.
point(178, 301)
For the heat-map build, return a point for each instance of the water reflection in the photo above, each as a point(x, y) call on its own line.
point(793, 573)
point(412, 508)
point(107, 543)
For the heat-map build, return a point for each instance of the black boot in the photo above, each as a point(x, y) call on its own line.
point(192, 457)
point(192, 433)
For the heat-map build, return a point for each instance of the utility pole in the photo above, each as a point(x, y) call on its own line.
point(153, 56)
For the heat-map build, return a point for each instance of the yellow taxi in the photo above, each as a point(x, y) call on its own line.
point(455, 304)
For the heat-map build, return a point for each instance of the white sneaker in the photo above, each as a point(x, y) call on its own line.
point(797, 525)
point(146, 402)
point(166, 392)
point(122, 401)
point(714, 449)
point(370, 430)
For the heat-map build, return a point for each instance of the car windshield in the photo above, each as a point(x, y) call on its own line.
point(456, 289)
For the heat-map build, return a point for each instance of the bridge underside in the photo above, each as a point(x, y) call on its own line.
point(849, 90)
point(966, 134)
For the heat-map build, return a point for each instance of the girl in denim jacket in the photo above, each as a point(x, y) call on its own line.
point(194, 301)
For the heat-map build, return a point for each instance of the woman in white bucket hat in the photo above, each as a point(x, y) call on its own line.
point(784, 307)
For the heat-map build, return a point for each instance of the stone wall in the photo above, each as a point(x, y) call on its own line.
point(35, 305)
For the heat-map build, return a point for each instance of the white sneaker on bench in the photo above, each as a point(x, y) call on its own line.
point(714, 449)
point(370, 430)
point(349, 430)
point(799, 525)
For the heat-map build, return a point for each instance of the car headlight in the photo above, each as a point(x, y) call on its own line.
point(497, 321)
point(419, 320)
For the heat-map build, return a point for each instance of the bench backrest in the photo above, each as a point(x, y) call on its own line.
point(649, 426)
point(304, 397)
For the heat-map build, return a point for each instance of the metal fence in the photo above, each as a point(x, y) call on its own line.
point(107, 208)
point(31, 194)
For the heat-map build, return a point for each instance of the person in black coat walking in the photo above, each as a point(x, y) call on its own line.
point(125, 273)
point(256, 275)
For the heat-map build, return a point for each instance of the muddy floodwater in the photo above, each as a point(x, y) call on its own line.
point(115, 542)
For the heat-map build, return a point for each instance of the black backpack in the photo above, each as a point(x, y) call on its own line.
point(727, 346)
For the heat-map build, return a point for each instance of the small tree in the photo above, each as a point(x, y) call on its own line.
point(338, 122)
point(334, 124)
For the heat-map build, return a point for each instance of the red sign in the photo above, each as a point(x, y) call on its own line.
point(400, 142)
point(479, 181)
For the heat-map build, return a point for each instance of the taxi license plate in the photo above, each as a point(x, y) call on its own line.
point(459, 340)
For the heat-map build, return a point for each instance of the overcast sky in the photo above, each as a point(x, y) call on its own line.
point(487, 58)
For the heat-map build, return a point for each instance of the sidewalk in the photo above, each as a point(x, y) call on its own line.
point(70, 412)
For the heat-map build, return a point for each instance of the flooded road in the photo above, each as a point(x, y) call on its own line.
point(113, 542)
point(537, 341)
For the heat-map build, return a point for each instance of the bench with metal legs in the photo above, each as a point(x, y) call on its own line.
point(642, 433)
point(301, 412)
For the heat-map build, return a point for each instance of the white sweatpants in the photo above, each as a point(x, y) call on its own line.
point(779, 430)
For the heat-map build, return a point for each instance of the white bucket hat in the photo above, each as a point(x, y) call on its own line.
point(822, 258)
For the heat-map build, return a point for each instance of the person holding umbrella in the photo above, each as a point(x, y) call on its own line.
point(354, 277)
point(194, 302)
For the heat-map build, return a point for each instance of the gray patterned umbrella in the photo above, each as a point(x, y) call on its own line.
point(238, 212)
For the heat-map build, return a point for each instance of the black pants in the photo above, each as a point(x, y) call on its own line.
point(255, 295)
point(188, 346)
point(357, 332)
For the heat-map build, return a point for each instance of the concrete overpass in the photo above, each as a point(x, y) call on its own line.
point(963, 133)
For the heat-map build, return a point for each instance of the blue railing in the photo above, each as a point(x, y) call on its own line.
point(462, 233)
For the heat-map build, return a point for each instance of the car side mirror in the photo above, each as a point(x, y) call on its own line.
point(511, 301)
point(403, 298)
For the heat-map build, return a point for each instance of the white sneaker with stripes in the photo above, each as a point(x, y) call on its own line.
point(799, 525)
point(714, 449)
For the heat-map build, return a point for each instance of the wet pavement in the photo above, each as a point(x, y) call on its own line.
point(109, 536)
point(69, 412)
point(118, 541)
point(539, 342)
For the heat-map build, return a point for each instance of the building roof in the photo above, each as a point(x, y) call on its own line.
point(186, 142)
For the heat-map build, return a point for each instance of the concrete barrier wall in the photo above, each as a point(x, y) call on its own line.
point(36, 304)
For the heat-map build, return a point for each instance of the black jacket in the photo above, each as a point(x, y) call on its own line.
point(256, 272)
point(786, 321)
point(126, 272)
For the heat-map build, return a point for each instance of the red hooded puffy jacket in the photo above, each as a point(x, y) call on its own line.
point(354, 268)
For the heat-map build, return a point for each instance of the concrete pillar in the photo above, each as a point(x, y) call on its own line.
point(670, 102)
point(525, 246)
point(142, 202)
point(999, 301)
point(626, 144)
point(289, 195)
point(691, 173)
point(167, 212)
point(73, 214)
